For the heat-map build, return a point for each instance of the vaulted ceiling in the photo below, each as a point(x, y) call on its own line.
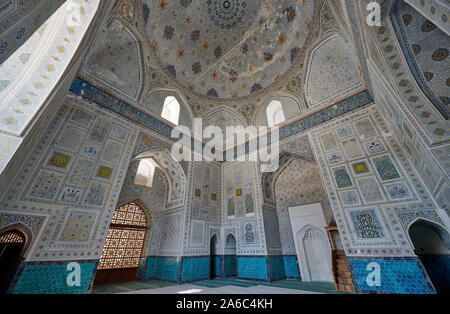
point(228, 48)
point(229, 54)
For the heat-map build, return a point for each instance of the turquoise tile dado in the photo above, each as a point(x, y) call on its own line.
point(196, 268)
point(291, 267)
point(404, 275)
point(252, 267)
point(151, 268)
point(277, 271)
point(230, 265)
point(162, 268)
point(217, 265)
point(51, 278)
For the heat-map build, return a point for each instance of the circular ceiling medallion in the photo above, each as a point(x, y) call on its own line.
point(228, 49)
point(227, 14)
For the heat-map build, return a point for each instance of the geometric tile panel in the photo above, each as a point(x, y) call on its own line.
point(342, 178)
point(360, 167)
point(32, 222)
point(404, 275)
point(370, 190)
point(386, 168)
point(81, 172)
point(70, 195)
point(352, 149)
point(365, 129)
point(350, 198)
point(407, 218)
point(59, 160)
point(46, 185)
point(100, 131)
point(104, 172)
point(397, 191)
point(78, 227)
point(96, 194)
point(82, 118)
point(366, 224)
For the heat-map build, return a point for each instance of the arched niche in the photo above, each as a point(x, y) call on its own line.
point(429, 237)
point(230, 258)
point(268, 179)
point(223, 117)
point(314, 254)
point(156, 98)
point(214, 248)
point(431, 243)
point(15, 241)
point(115, 60)
point(332, 70)
point(174, 173)
point(291, 104)
point(123, 251)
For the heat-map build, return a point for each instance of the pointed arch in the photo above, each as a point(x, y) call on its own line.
point(432, 226)
point(332, 70)
point(172, 171)
point(118, 43)
point(269, 179)
point(155, 101)
point(291, 104)
point(314, 254)
point(171, 110)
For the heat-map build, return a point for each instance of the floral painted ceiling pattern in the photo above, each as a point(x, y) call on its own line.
point(426, 49)
point(228, 49)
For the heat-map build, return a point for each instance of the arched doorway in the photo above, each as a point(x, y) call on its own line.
point(432, 245)
point(124, 245)
point(230, 256)
point(12, 244)
point(215, 259)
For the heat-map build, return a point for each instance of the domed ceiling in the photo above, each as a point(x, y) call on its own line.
point(228, 49)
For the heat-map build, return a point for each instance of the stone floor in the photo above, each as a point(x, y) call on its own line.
point(219, 286)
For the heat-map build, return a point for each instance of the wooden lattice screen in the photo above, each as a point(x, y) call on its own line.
point(12, 237)
point(125, 240)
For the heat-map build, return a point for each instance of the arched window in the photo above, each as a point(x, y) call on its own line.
point(171, 110)
point(124, 245)
point(145, 173)
point(275, 114)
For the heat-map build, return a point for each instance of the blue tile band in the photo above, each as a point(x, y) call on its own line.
point(230, 265)
point(403, 275)
point(253, 268)
point(291, 267)
point(52, 278)
point(161, 268)
point(197, 268)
